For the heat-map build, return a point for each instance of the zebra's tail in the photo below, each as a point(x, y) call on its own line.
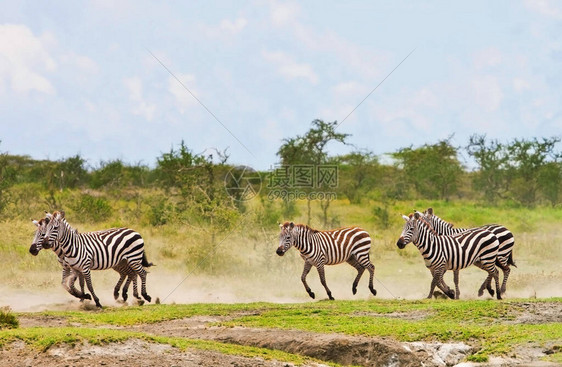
point(145, 262)
point(510, 260)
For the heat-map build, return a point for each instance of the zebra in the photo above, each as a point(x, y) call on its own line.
point(70, 275)
point(441, 253)
point(97, 250)
point(319, 248)
point(505, 256)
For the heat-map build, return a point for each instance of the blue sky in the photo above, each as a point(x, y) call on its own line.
point(79, 77)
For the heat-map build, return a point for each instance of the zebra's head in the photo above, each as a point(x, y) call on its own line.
point(409, 230)
point(41, 225)
point(286, 238)
point(52, 230)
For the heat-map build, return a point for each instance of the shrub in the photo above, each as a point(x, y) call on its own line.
point(91, 208)
point(7, 319)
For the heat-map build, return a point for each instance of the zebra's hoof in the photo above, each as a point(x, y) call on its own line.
point(491, 291)
point(354, 290)
point(480, 293)
point(451, 294)
point(98, 304)
point(147, 297)
point(116, 295)
point(311, 294)
point(331, 298)
point(125, 296)
point(86, 296)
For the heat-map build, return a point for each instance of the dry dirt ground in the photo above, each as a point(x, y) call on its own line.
point(343, 349)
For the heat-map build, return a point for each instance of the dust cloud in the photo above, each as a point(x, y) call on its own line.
point(395, 278)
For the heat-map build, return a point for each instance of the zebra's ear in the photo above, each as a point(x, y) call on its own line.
point(405, 217)
point(430, 211)
point(48, 215)
point(417, 215)
point(292, 225)
point(35, 222)
point(280, 225)
point(62, 214)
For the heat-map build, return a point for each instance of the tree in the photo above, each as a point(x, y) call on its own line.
point(527, 159)
point(360, 172)
point(433, 170)
point(310, 149)
point(492, 175)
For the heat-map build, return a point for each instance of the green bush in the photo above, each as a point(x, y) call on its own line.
point(91, 208)
point(7, 319)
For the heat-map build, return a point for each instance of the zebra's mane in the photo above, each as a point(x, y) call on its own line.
point(439, 219)
point(308, 228)
point(429, 226)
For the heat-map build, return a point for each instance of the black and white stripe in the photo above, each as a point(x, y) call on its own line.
point(98, 250)
point(505, 251)
point(319, 248)
point(441, 253)
point(69, 275)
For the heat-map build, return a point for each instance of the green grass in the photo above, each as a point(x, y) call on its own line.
point(488, 325)
point(44, 338)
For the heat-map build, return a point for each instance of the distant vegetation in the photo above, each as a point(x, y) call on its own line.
point(186, 187)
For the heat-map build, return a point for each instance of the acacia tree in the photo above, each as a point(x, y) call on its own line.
point(432, 169)
point(310, 149)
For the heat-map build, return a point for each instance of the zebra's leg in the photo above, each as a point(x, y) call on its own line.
point(495, 274)
point(320, 268)
point(68, 279)
point(456, 280)
point(487, 284)
point(360, 269)
point(138, 269)
point(305, 271)
point(88, 278)
point(131, 277)
point(118, 286)
point(504, 265)
point(438, 281)
point(371, 269)
point(80, 294)
point(366, 263)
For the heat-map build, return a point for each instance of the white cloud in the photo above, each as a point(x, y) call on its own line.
point(487, 92)
point(83, 63)
point(140, 106)
point(546, 8)
point(24, 60)
point(233, 26)
point(284, 13)
point(289, 68)
point(486, 58)
point(226, 28)
point(183, 98)
point(520, 85)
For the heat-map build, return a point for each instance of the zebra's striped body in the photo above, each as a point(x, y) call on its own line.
point(319, 248)
point(441, 253)
point(70, 275)
point(506, 241)
point(98, 250)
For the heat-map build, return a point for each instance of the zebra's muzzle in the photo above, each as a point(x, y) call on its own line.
point(45, 243)
point(280, 251)
point(401, 243)
point(33, 249)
